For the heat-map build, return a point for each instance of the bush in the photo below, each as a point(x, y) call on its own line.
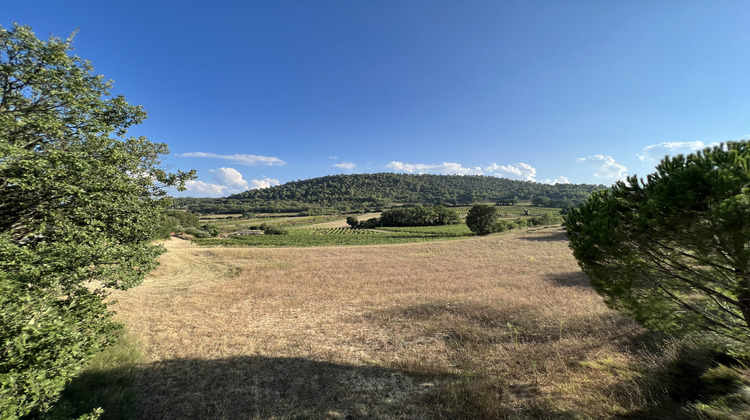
point(271, 229)
point(481, 219)
point(371, 223)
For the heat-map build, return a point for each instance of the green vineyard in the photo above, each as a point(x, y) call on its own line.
point(301, 237)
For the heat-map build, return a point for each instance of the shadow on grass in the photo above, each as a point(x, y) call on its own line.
point(570, 279)
point(264, 387)
point(551, 235)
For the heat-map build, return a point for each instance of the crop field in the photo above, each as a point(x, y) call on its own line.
point(456, 230)
point(340, 221)
point(521, 210)
point(462, 211)
point(517, 210)
point(304, 237)
point(231, 225)
point(343, 231)
point(504, 326)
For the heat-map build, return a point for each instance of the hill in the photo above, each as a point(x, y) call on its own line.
point(361, 192)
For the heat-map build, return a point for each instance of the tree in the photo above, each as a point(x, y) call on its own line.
point(79, 204)
point(507, 201)
point(540, 201)
point(481, 219)
point(673, 251)
point(352, 221)
point(272, 229)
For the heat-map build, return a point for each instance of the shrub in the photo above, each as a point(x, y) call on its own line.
point(481, 219)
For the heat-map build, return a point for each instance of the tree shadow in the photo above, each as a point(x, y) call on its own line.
point(259, 387)
point(556, 235)
point(570, 279)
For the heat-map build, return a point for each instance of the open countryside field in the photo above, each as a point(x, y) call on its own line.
point(315, 235)
point(342, 222)
point(504, 326)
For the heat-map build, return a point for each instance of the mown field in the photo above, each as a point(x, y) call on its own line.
point(504, 326)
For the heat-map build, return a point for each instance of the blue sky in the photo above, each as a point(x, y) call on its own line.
point(256, 93)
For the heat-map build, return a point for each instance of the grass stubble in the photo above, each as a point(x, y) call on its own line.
point(504, 326)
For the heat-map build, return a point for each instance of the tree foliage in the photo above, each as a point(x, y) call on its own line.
point(79, 204)
point(673, 250)
point(419, 216)
point(375, 192)
point(481, 219)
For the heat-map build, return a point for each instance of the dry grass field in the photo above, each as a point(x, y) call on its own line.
point(504, 326)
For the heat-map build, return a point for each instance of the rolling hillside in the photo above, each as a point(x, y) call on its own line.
point(376, 191)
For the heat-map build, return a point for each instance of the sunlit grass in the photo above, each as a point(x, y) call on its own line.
point(504, 326)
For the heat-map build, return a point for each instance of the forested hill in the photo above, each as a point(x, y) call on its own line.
point(374, 191)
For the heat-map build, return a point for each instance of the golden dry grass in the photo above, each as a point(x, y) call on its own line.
point(504, 326)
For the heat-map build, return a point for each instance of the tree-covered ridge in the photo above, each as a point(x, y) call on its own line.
point(408, 188)
point(383, 190)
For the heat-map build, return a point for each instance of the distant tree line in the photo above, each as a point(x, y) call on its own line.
point(410, 216)
point(373, 192)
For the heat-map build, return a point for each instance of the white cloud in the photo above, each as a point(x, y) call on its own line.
point(227, 181)
point(345, 165)
point(605, 167)
point(521, 171)
point(230, 178)
point(446, 168)
point(264, 183)
point(558, 180)
point(240, 159)
point(204, 189)
point(656, 152)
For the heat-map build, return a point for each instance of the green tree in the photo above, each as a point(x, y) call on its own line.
point(79, 204)
point(673, 251)
point(272, 229)
point(352, 221)
point(540, 201)
point(481, 218)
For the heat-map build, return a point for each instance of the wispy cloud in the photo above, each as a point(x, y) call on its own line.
point(656, 152)
point(605, 167)
point(239, 159)
point(345, 165)
point(445, 168)
point(520, 171)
